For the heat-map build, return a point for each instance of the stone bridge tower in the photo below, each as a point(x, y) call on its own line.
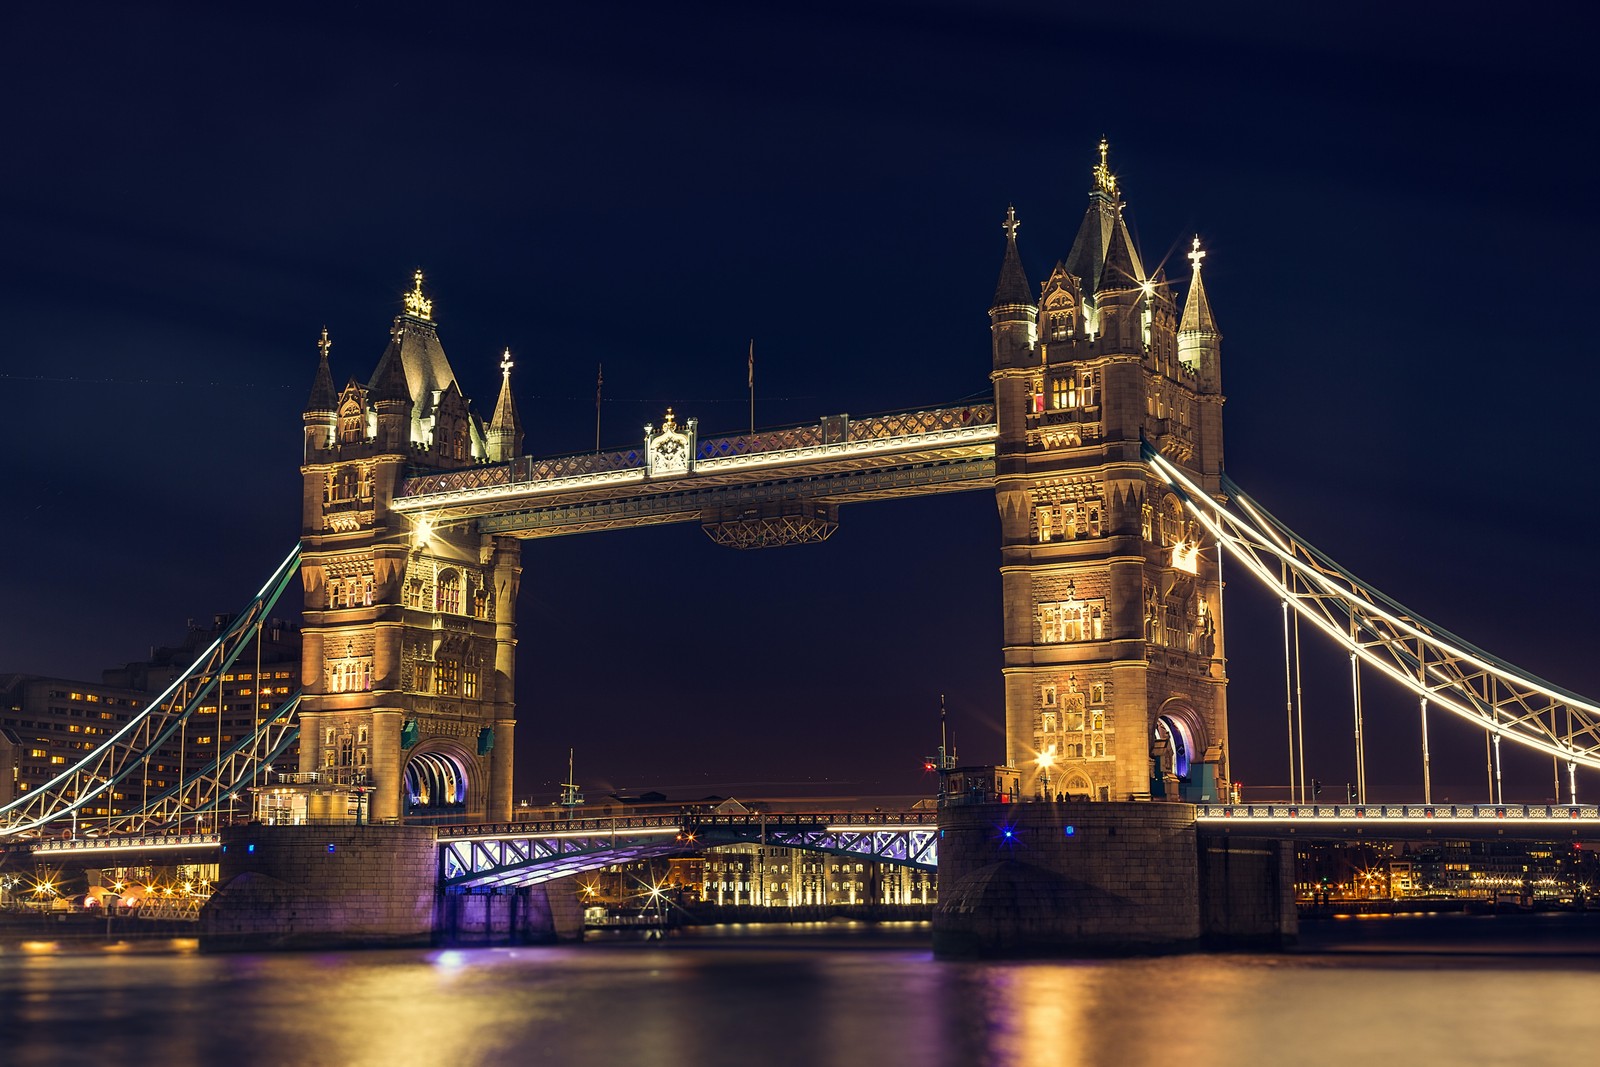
point(408, 659)
point(1115, 682)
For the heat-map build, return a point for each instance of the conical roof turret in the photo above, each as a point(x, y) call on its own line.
point(505, 429)
point(323, 399)
point(1013, 287)
point(1197, 317)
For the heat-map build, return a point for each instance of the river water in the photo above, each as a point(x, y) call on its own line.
point(1456, 989)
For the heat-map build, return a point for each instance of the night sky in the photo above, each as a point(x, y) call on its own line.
point(1399, 214)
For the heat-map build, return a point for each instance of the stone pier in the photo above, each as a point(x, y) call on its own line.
point(1076, 878)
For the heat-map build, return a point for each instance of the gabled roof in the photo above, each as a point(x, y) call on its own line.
point(1120, 269)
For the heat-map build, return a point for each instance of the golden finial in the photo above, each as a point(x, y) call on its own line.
point(417, 304)
point(669, 424)
point(324, 345)
point(1011, 223)
point(506, 364)
point(1195, 255)
point(1104, 180)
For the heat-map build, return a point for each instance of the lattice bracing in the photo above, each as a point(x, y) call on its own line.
point(476, 857)
point(1448, 671)
point(121, 760)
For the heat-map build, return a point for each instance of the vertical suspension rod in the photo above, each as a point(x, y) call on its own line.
point(1300, 708)
point(1422, 708)
point(1288, 699)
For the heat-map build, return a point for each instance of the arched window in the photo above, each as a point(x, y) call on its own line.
point(450, 592)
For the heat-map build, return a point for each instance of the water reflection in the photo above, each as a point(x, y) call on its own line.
point(758, 999)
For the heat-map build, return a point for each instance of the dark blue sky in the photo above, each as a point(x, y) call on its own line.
point(1399, 212)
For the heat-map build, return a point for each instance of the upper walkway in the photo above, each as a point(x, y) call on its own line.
point(834, 460)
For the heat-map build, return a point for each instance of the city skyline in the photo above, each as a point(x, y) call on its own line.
point(176, 254)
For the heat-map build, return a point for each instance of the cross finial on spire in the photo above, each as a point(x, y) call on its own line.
point(324, 345)
point(506, 364)
point(1195, 255)
point(1011, 223)
point(416, 303)
point(1104, 180)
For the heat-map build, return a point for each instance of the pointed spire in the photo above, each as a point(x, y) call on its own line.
point(1197, 316)
point(1120, 270)
point(1013, 287)
point(389, 379)
point(505, 429)
point(323, 398)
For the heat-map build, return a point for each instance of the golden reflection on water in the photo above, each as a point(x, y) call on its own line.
point(768, 1002)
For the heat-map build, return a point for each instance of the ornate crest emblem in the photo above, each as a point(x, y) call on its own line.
point(670, 451)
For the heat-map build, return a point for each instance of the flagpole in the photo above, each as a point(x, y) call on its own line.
point(599, 380)
point(752, 383)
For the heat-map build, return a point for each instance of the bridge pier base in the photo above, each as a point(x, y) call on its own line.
point(1076, 878)
point(526, 915)
point(322, 886)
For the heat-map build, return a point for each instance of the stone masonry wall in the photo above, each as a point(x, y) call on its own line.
point(323, 886)
point(1069, 877)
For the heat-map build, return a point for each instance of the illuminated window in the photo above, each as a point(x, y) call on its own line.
point(469, 682)
point(1046, 518)
point(1097, 693)
point(447, 677)
point(1072, 620)
point(449, 593)
point(1047, 696)
point(1047, 722)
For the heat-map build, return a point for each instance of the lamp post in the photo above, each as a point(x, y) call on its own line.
point(1046, 760)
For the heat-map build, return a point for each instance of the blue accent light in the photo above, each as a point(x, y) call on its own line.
point(1069, 831)
point(330, 847)
point(249, 848)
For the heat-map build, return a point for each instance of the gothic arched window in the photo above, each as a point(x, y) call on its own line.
point(450, 592)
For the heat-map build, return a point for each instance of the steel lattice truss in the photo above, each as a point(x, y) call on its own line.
point(1427, 659)
point(120, 761)
point(215, 782)
point(530, 853)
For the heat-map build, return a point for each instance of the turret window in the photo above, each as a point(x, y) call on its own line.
point(1072, 620)
point(447, 677)
point(449, 593)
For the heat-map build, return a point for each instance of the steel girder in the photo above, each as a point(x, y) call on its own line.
point(120, 759)
point(1427, 659)
point(476, 857)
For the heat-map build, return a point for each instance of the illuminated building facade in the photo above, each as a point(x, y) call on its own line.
point(409, 632)
point(1114, 671)
point(55, 722)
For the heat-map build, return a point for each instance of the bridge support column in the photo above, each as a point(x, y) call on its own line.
point(322, 886)
point(1077, 878)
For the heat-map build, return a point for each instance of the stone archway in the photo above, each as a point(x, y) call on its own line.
point(437, 781)
point(1178, 744)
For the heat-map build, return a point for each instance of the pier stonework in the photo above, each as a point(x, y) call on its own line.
point(323, 886)
point(1089, 878)
point(1076, 877)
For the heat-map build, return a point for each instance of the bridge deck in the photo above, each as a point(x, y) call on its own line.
point(836, 460)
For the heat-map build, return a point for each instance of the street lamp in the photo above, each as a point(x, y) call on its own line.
point(1046, 760)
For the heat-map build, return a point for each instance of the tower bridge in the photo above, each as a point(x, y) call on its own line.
point(1101, 438)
